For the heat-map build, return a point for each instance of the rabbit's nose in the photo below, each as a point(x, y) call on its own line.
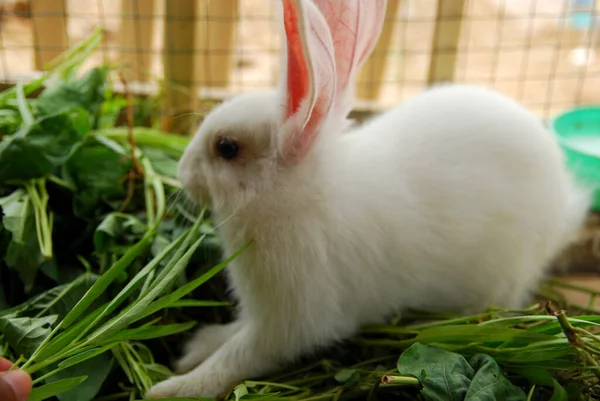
point(190, 176)
point(186, 169)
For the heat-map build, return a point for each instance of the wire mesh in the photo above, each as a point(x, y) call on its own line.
point(543, 53)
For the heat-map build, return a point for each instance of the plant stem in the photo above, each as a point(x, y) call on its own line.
point(18, 362)
point(36, 189)
point(400, 381)
point(572, 335)
point(172, 144)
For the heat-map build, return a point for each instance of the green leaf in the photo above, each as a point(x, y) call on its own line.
point(16, 208)
point(161, 162)
point(541, 377)
point(52, 389)
point(96, 369)
point(86, 92)
point(10, 121)
point(110, 109)
point(348, 377)
point(240, 391)
point(150, 332)
point(445, 375)
point(489, 383)
point(58, 300)
point(25, 334)
point(82, 170)
point(23, 253)
point(26, 258)
point(114, 226)
point(37, 150)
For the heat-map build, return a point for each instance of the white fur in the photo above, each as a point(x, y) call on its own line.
point(456, 200)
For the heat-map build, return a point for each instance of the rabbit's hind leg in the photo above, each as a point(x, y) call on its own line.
point(522, 283)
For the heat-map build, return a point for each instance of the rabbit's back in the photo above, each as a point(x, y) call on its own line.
point(474, 188)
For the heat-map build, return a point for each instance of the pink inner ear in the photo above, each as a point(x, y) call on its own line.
point(355, 26)
point(298, 78)
point(310, 77)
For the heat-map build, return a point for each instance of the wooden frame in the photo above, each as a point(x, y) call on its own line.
point(198, 41)
point(135, 37)
point(446, 38)
point(49, 30)
point(178, 61)
point(214, 42)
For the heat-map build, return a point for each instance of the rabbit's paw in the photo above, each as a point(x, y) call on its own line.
point(188, 386)
point(247, 353)
point(203, 344)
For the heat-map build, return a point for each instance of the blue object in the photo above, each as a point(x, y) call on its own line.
point(582, 17)
point(578, 133)
point(582, 21)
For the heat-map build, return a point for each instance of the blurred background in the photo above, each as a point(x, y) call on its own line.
point(543, 53)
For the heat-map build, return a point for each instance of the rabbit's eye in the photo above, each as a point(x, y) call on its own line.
point(227, 148)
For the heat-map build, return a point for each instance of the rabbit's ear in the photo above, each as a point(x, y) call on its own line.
point(355, 26)
point(308, 78)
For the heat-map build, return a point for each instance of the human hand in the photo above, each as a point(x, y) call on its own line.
point(15, 385)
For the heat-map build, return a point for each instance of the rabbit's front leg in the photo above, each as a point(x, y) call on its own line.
point(204, 343)
point(248, 353)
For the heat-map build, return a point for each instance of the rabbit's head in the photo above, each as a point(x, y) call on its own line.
point(256, 142)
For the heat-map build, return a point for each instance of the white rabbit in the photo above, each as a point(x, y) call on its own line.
point(456, 200)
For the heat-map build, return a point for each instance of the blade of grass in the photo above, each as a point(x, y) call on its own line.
point(132, 313)
point(96, 289)
point(154, 191)
point(106, 279)
point(23, 106)
point(84, 356)
point(194, 303)
point(59, 347)
point(52, 389)
point(148, 333)
point(477, 333)
point(168, 300)
point(191, 237)
point(135, 282)
point(76, 359)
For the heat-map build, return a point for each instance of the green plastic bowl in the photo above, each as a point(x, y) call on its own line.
point(578, 133)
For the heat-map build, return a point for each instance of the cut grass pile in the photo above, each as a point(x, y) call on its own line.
point(104, 270)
